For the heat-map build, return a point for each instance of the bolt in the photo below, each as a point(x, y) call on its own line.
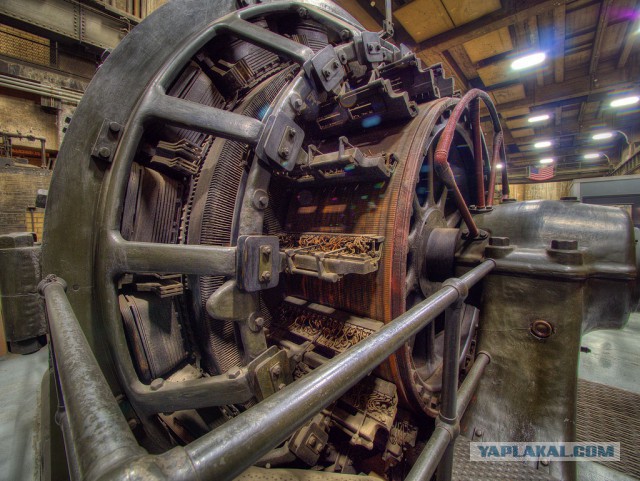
point(234, 372)
point(370, 47)
point(312, 441)
point(345, 34)
point(104, 152)
point(336, 65)
point(263, 201)
point(479, 433)
point(302, 12)
point(284, 152)
point(259, 321)
point(133, 423)
point(281, 386)
point(266, 251)
point(297, 103)
point(541, 329)
point(292, 133)
point(544, 461)
point(499, 241)
point(297, 357)
point(114, 127)
point(276, 370)
point(564, 245)
point(156, 384)
point(326, 73)
point(343, 57)
point(265, 276)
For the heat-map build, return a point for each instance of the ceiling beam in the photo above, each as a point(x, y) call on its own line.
point(577, 87)
point(513, 12)
point(559, 14)
point(629, 40)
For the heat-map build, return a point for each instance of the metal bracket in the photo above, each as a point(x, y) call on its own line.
point(281, 142)
point(372, 47)
point(271, 374)
point(105, 144)
point(258, 262)
point(326, 68)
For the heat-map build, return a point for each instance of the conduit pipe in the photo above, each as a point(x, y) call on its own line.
point(441, 162)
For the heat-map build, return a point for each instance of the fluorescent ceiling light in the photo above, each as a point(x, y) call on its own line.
point(548, 160)
point(543, 144)
point(623, 102)
point(499, 166)
point(538, 118)
point(602, 136)
point(591, 156)
point(528, 61)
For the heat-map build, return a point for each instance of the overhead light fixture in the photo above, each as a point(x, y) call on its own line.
point(543, 144)
point(538, 118)
point(592, 156)
point(602, 136)
point(625, 101)
point(499, 165)
point(528, 61)
point(548, 160)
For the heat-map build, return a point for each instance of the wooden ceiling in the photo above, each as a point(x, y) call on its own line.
point(593, 56)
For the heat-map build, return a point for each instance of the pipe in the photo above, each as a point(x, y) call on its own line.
point(444, 434)
point(477, 151)
point(98, 431)
point(450, 369)
point(107, 450)
point(226, 452)
point(39, 89)
point(43, 153)
point(441, 163)
point(497, 146)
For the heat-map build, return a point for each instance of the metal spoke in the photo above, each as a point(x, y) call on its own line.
point(442, 200)
point(269, 40)
point(129, 256)
point(210, 120)
point(453, 219)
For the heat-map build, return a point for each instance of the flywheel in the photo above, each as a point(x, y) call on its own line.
point(266, 191)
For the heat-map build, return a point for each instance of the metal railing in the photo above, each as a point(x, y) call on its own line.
point(100, 445)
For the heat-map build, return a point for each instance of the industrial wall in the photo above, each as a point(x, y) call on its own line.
point(540, 191)
point(18, 188)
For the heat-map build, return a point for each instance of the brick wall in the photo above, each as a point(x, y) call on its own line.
point(18, 188)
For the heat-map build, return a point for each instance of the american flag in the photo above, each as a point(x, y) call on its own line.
point(541, 173)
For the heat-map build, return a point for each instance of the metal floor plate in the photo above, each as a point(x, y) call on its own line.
point(464, 469)
point(607, 414)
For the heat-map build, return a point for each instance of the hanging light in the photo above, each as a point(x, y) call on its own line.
point(543, 144)
point(499, 165)
point(528, 61)
point(602, 136)
point(592, 155)
point(625, 101)
point(538, 118)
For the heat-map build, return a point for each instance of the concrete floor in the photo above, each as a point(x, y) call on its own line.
point(20, 378)
point(614, 359)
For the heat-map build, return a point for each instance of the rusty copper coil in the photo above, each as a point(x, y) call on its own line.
point(382, 209)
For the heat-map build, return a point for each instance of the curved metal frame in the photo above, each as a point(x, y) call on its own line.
point(119, 256)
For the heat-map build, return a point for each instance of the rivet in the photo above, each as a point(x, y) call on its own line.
point(104, 152)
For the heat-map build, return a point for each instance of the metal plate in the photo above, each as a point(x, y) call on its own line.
point(607, 414)
point(464, 469)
